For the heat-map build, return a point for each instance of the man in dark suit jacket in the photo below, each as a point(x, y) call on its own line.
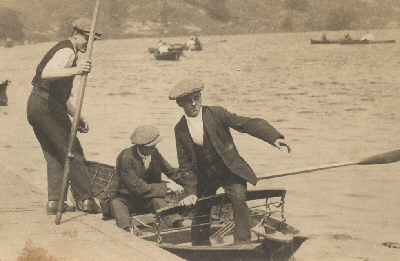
point(138, 185)
point(205, 147)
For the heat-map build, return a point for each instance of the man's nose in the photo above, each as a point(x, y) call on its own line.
point(193, 102)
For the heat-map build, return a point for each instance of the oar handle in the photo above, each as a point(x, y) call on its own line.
point(75, 122)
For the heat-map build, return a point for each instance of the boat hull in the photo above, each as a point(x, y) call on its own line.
point(172, 55)
point(324, 42)
point(267, 250)
point(366, 42)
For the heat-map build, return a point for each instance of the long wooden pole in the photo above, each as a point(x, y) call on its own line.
point(383, 158)
point(75, 121)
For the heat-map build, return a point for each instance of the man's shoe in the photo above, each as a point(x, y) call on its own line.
point(51, 207)
point(134, 231)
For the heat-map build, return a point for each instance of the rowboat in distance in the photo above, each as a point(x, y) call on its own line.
point(170, 55)
point(3, 92)
point(324, 41)
point(178, 47)
point(173, 47)
point(346, 42)
point(271, 237)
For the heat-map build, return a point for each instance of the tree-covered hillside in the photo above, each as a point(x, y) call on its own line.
point(44, 20)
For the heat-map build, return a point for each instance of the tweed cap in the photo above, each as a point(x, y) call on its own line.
point(185, 87)
point(146, 135)
point(83, 25)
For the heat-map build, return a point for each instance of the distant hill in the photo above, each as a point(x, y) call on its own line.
point(44, 20)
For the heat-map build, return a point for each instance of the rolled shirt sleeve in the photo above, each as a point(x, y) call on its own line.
point(63, 58)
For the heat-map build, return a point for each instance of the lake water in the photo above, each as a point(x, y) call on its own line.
point(333, 103)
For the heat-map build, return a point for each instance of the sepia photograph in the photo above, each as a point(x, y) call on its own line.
point(199, 130)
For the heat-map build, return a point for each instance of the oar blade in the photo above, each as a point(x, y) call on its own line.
point(384, 158)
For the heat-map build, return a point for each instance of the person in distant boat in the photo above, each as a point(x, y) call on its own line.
point(367, 37)
point(138, 184)
point(3, 93)
point(9, 42)
point(163, 47)
point(324, 38)
point(193, 43)
point(48, 111)
point(347, 37)
point(205, 148)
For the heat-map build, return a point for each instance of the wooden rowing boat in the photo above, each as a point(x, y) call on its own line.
point(3, 93)
point(170, 55)
point(346, 42)
point(324, 41)
point(272, 238)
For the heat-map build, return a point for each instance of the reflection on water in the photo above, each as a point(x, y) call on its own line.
point(331, 102)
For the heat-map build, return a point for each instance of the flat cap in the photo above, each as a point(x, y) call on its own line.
point(83, 25)
point(146, 135)
point(185, 87)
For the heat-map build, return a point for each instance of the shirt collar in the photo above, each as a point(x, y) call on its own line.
point(141, 155)
point(197, 118)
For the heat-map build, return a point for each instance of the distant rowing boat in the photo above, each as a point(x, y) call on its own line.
point(324, 41)
point(344, 42)
point(170, 55)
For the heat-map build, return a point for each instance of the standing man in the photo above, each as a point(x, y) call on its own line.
point(137, 185)
point(205, 147)
point(48, 113)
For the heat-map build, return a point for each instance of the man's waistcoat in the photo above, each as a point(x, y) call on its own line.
point(60, 89)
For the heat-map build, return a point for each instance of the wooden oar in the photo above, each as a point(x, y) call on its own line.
point(383, 158)
point(75, 121)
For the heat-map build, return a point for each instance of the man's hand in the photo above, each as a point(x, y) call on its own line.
point(280, 143)
point(175, 188)
point(83, 125)
point(84, 67)
point(188, 201)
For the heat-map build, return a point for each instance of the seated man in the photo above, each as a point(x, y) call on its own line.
point(191, 42)
point(163, 47)
point(347, 37)
point(137, 185)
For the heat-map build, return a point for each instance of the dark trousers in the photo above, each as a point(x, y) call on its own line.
point(235, 189)
point(52, 127)
point(122, 207)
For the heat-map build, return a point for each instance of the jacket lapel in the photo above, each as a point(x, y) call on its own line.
point(138, 162)
point(210, 126)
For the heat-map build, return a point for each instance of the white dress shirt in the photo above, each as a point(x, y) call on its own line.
point(195, 125)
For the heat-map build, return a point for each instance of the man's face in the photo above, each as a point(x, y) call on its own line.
point(147, 150)
point(82, 42)
point(191, 104)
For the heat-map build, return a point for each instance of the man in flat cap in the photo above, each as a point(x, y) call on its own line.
point(205, 147)
point(48, 113)
point(138, 184)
